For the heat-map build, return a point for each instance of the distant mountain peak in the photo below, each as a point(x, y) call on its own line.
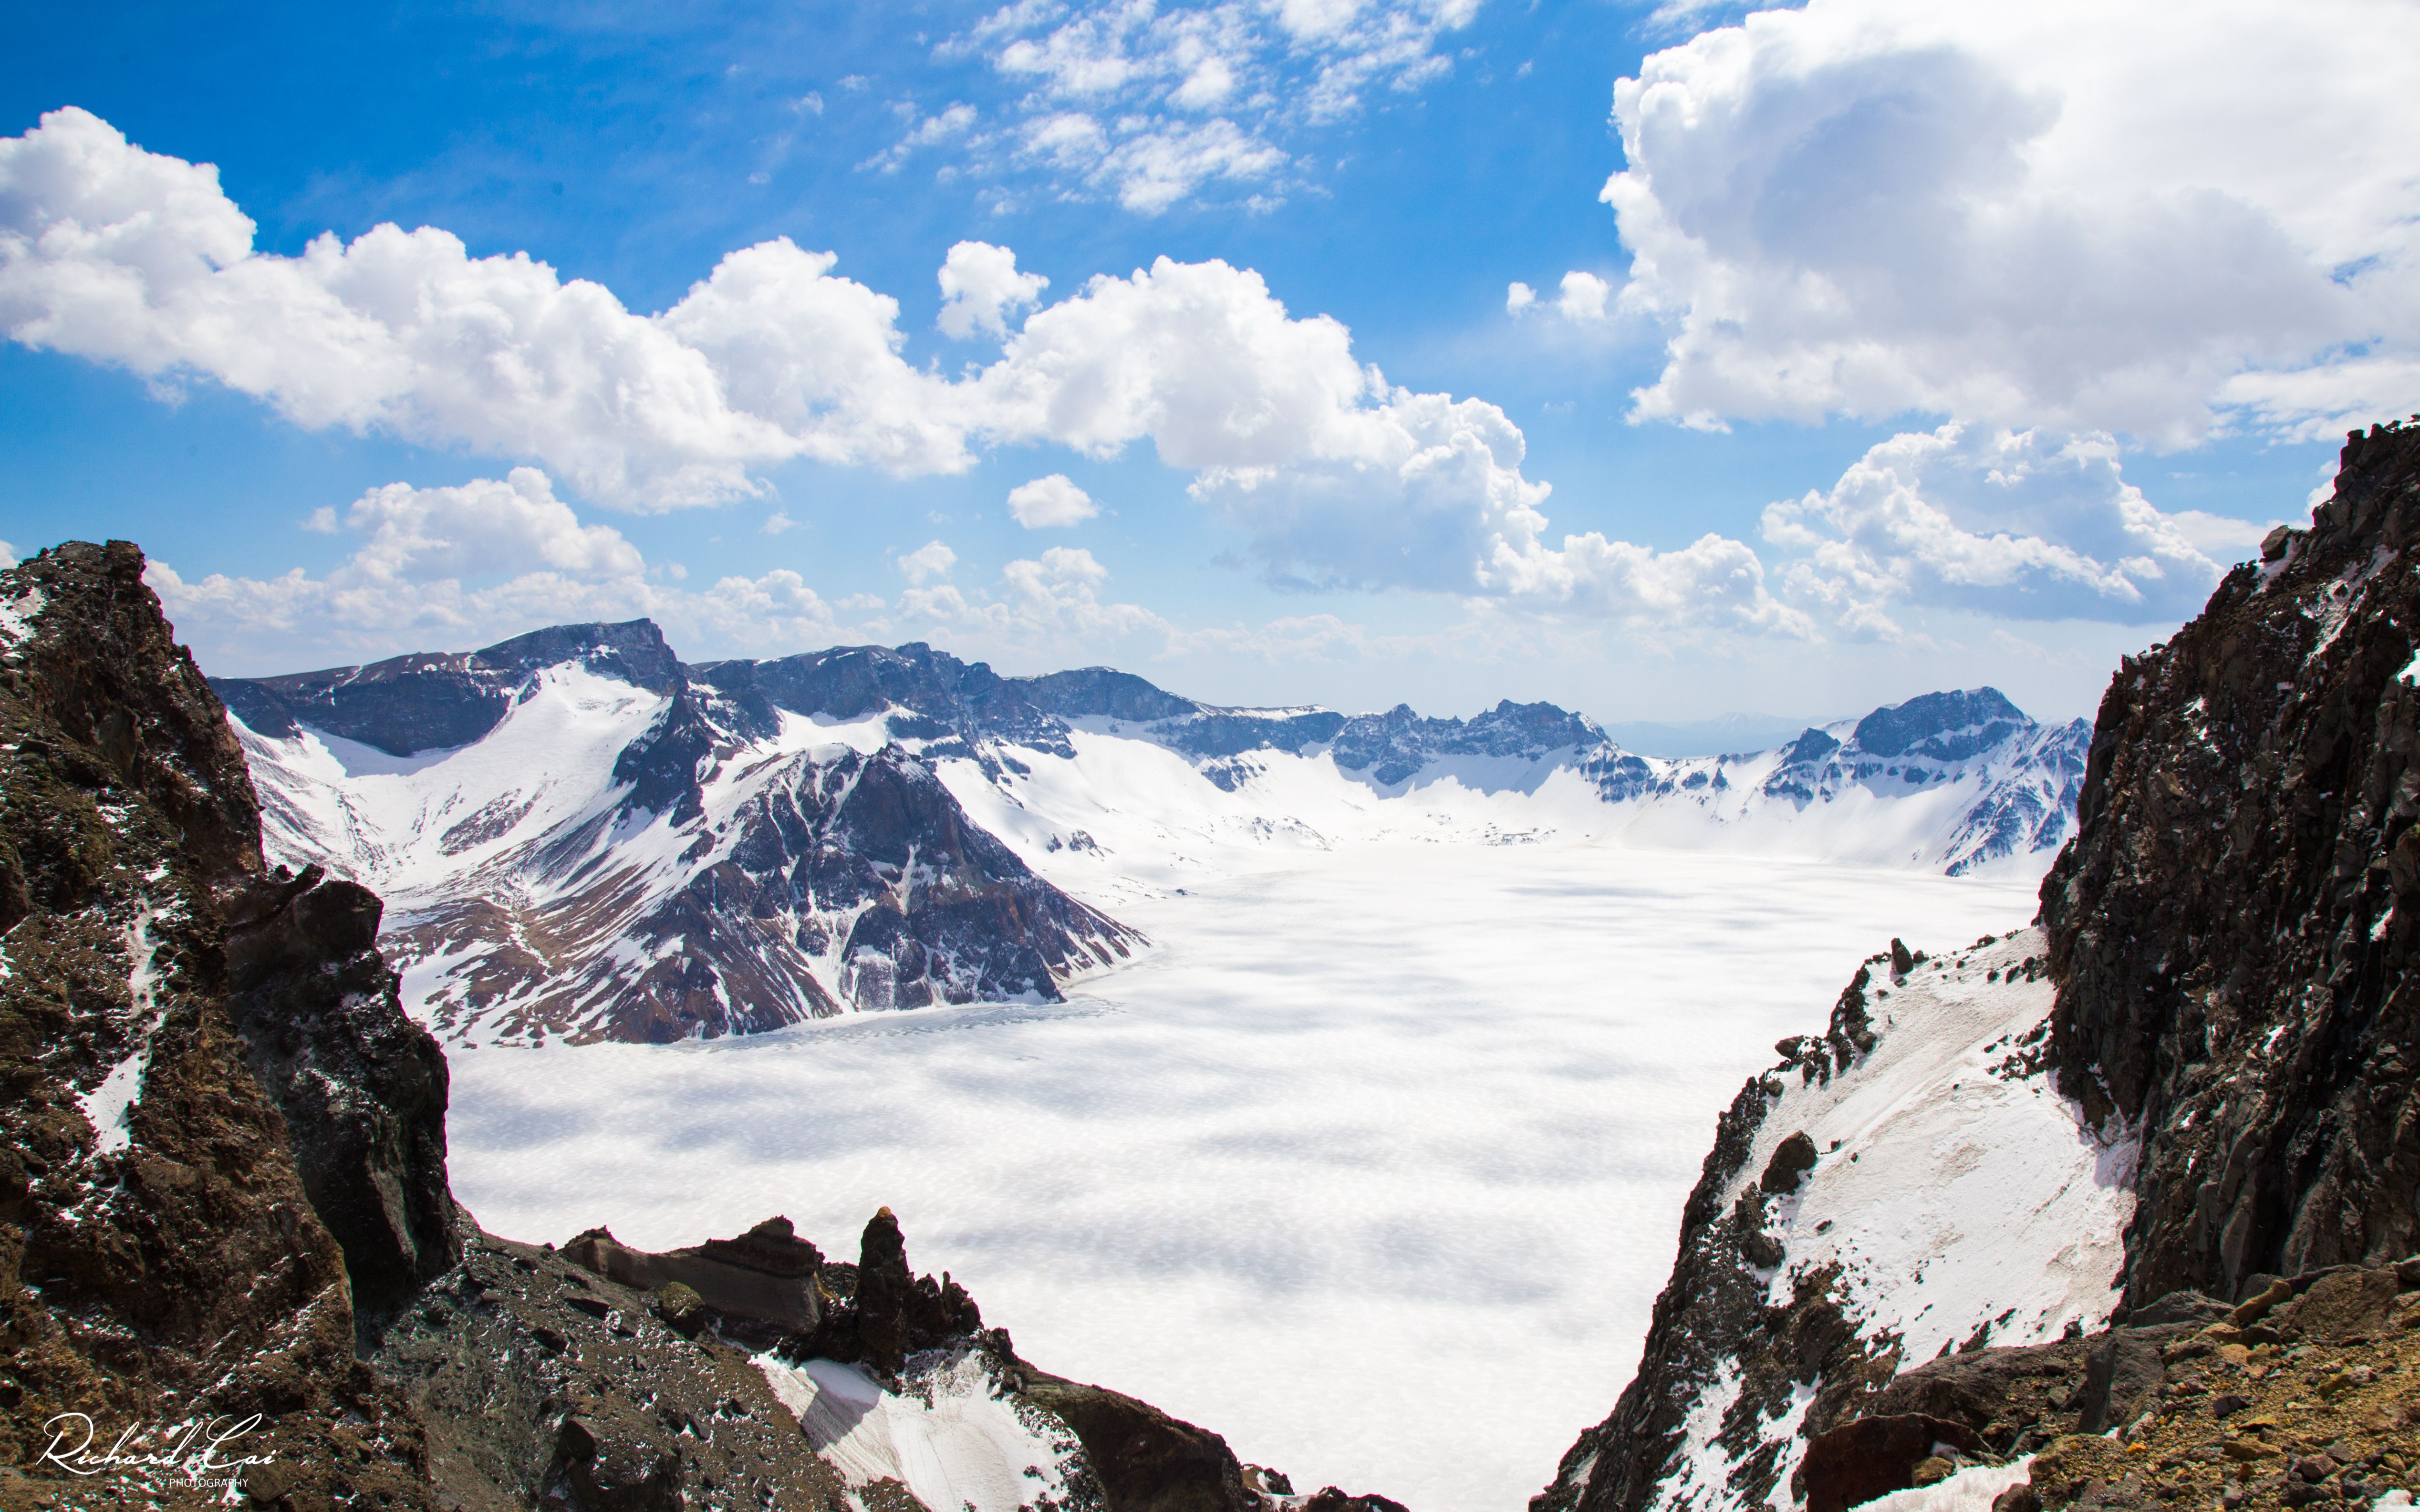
point(741, 819)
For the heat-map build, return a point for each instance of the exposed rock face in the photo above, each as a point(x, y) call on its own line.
point(767, 1272)
point(362, 1087)
point(630, 853)
point(1127, 1456)
point(2232, 928)
point(546, 1382)
point(162, 1256)
point(2227, 939)
point(223, 1203)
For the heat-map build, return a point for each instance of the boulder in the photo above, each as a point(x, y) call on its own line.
point(2120, 1369)
point(2179, 1307)
point(2341, 1305)
point(1872, 1456)
point(1791, 1161)
point(767, 1272)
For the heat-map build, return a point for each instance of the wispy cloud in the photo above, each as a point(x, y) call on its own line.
point(1149, 105)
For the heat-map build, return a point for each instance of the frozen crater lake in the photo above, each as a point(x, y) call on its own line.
point(1373, 1166)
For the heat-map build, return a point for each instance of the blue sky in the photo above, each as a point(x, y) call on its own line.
point(1910, 345)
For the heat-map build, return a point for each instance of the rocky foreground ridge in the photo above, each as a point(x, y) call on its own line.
point(231, 1268)
point(2217, 1004)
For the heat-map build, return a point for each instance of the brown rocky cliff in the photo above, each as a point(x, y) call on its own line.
point(2232, 927)
point(2229, 933)
point(160, 1256)
point(223, 1189)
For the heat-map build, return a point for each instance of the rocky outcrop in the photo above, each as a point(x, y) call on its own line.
point(546, 1383)
point(2228, 942)
point(2233, 927)
point(164, 1257)
point(878, 1316)
point(694, 872)
point(1886, 1207)
point(767, 1272)
point(231, 1267)
point(360, 1087)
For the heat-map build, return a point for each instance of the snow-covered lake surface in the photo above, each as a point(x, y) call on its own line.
point(1375, 1165)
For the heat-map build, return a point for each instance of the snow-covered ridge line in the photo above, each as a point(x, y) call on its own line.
point(1950, 782)
point(583, 837)
point(609, 860)
point(1908, 1184)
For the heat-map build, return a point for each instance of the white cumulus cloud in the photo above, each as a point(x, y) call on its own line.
point(1049, 602)
point(1337, 478)
point(468, 566)
point(2021, 525)
point(2094, 215)
point(927, 562)
point(1582, 298)
point(1050, 501)
point(979, 286)
point(131, 257)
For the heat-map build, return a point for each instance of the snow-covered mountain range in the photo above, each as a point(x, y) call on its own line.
point(582, 837)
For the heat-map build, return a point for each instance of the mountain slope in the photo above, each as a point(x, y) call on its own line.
point(584, 838)
point(605, 850)
point(230, 1251)
point(2234, 926)
point(2213, 1007)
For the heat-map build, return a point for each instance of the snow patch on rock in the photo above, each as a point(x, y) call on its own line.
point(951, 1434)
point(1957, 1190)
point(110, 1106)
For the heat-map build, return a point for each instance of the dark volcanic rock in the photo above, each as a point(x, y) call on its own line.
point(882, 1284)
point(1147, 1460)
point(161, 1254)
point(2228, 931)
point(767, 1272)
point(2009, 1398)
point(362, 1087)
point(2121, 1369)
point(538, 1377)
point(1875, 1455)
point(1792, 1159)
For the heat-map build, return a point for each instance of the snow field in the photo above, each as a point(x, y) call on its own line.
point(1957, 1193)
point(109, 1107)
point(383, 820)
point(1957, 1197)
point(951, 1440)
point(1970, 1491)
point(1373, 1166)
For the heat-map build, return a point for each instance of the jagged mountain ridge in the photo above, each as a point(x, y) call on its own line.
point(229, 1246)
point(2227, 1020)
point(583, 837)
point(581, 840)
